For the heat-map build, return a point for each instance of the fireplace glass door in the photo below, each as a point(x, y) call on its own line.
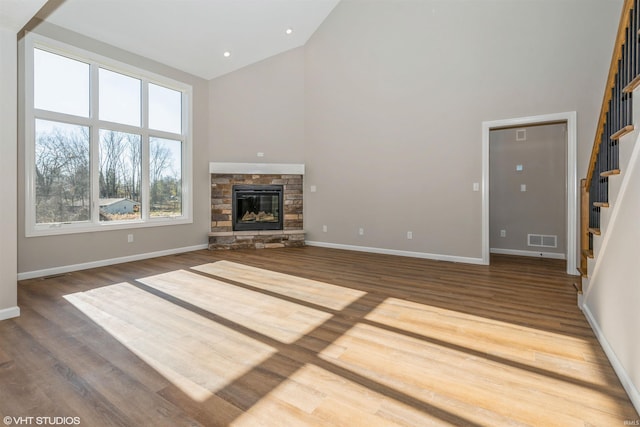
point(257, 207)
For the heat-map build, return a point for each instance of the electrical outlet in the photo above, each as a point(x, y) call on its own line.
point(409, 235)
point(523, 187)
point(260, 154)
point(129, 238)
point(503, 233)
point(313, 189)
point(361, 231)
point(325, 228)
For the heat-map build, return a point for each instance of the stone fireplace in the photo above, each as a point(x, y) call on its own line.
point(256, 205)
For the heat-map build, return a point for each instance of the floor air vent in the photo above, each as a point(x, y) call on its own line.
point(541, 240)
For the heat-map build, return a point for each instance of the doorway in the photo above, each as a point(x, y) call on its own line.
point(571, 178)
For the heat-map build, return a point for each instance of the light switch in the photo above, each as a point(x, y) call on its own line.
point(313, 189)
point(476, 186)
point(523, 187)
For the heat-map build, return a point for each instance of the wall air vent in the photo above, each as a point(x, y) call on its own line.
point(541, 240)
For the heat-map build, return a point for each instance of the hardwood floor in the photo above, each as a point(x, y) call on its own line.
point(308, 336)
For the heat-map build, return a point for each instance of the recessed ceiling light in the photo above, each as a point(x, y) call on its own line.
point(226, 54)
point(288, 31)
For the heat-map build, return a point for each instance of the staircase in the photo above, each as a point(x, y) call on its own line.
point(615, 136)
point(608, 293)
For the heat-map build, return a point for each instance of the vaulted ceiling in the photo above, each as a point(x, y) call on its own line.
point(193, 35)
point(190, 35)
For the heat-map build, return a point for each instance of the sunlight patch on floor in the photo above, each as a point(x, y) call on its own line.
point(273, 317)
point(196, 354)
point(456, 380)
point(518, 343)
point(315, 396)
point(320, 293)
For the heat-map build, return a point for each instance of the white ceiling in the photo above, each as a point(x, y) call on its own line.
point(14, 14)
point(192, 35)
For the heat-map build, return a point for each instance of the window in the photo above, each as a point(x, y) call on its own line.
point(69, 95)
point(61, 172)
point(119, 98)
point(107, 144)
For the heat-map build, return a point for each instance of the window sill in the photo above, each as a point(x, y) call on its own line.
point(63, 229)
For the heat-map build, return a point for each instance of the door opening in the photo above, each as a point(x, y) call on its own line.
point(570, 179)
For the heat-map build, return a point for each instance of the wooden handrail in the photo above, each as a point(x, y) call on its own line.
point(613, 69)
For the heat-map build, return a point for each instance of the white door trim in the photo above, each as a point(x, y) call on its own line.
point(572, 178)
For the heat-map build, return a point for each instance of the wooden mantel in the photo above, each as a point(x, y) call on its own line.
point(256, 168)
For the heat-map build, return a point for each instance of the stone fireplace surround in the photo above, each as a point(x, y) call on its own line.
point(225, 175)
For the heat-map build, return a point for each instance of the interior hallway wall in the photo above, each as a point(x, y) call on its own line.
point(542, 207)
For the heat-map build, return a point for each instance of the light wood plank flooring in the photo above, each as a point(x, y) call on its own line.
point(308, 336)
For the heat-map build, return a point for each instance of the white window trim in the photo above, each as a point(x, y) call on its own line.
point(32, 229)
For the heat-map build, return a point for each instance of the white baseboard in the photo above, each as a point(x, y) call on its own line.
point(534, 254)
point(9, 313)
point(437, 257)
point(629, 387)
point(104, 262)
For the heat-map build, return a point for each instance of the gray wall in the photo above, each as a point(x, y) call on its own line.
point(542, 208)
point(38, 253)
point(8, 172)
point(259, 108)
point(395, 94)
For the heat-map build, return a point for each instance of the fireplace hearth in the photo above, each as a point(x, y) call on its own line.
point(257, 207)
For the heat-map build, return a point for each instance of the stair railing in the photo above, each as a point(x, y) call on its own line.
point(614, 122)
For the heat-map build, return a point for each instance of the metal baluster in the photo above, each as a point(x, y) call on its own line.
point(604, 147)
point(636, 27)
point(627, 72)
point(601, 196)
point(592, 198)
point(627, 52)
point(596, 213)
point(616, 91)
point(619, 95)
point(603, 187)
point(597, 178)
point(613, 110)
point(632, 44)
point(606, 158)
point(633, 53)
point(625, 78)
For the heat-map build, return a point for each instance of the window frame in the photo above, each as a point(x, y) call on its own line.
point(97, 61)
